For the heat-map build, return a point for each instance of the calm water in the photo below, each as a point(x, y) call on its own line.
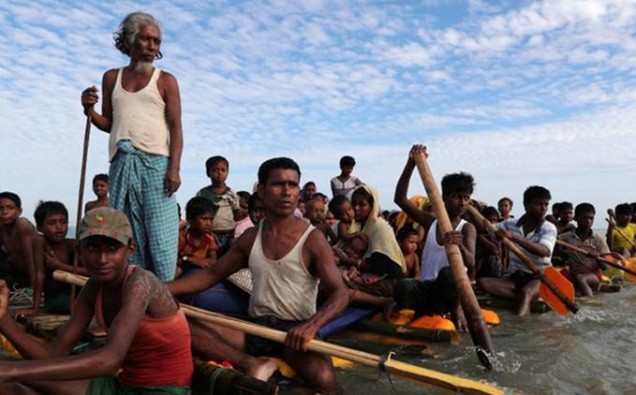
point(592, 352)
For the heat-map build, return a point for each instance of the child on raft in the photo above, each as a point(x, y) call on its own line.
point(197, 244)
point(53, 251)
point(100, 189)
point(144, 324)
point(16, 238)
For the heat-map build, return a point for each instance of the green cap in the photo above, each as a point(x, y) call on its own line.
point(106, 221)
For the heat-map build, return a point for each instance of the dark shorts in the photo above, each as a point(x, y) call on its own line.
point(110, 385)
point(257, 346)
point(520, 279)
point(381, 264)
point(437, 296)
point(57, 302)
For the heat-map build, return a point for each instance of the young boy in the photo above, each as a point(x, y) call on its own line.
point(584, 272)
point(226, 200)
point(343, 183)
point(16, 237)
point(536, 238)
point(621, 232)
point(505, 207)
point(100, 188)
point(197, 245)
point(407, 238)
point(144, 323)
point(489, 249)
point(434, 292)
point(565, 222)
point(243, 221)
point(52, 251)
point(315, 213)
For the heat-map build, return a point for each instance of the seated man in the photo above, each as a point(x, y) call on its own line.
point(535, 237)
point(288, 258)
point(434, 292)
point(144, 323)
point(584, 272)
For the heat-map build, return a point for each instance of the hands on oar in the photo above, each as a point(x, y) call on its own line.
point(556, 290)
point(628, 266)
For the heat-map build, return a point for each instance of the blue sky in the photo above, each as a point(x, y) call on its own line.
point(517, 93)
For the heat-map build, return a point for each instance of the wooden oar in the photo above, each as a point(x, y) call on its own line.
point(612, 220)
point(80, 200)
point(630, 273)
point(476, 323)
point(556, 290)
point(438, 379)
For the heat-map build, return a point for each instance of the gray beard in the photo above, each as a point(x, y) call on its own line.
point(143, 67)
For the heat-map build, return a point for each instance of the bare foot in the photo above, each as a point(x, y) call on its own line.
point(262, 368)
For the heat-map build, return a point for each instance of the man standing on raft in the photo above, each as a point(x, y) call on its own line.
point(288, 257)
point(141, 110)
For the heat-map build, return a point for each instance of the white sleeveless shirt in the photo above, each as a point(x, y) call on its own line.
point(434, 255)
point(284, 287)
point(139, 117)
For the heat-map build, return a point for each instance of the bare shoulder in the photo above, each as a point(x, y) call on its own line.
point(143, 286)
point(246, 240)
point(25, 227)
point(167, 79)
point(110, 75)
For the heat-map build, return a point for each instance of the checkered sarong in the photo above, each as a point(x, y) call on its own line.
point(136, 188)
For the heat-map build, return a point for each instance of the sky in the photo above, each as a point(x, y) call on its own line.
point(517, 93)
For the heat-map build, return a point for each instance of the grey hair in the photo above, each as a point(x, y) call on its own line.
point(129, 28)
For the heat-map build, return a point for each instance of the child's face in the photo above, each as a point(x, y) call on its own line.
point(585, 221)
point(258, 211)
point(537, 208)
point(202, 224)
point(329, 218)
point(9, 212)
point(100, 188)
point(346, 170)
point(356, 248)
point(309, 191)
point(505, 207)
point(218, 173)
point(301, 206)
point(104, 258)
point(493, 218)
point(409, 245)
point(55, 227)
point(315, 211)
point(361, 208)
point(346, 212)
point(621, 220)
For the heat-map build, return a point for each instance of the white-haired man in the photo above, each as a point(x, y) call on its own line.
point(141, 109)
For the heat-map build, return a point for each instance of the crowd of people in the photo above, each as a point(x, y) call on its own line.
point(310, 255)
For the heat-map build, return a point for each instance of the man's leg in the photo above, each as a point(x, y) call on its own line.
point(498, 286)
point(528, 293)
point(316, 369)
point(214, 342)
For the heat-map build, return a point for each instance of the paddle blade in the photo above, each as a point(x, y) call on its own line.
point(561, 283)
point(630, 264)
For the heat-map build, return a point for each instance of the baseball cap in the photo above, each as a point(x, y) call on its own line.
point(106, 221)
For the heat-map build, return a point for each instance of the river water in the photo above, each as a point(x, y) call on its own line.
point(591, 352)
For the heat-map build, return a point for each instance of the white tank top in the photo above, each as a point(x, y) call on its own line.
point(139, 117)
point(434, 255)
point(284, 287)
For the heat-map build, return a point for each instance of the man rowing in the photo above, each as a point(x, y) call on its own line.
point(288, 258)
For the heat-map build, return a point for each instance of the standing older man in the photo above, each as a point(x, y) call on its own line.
point(142, 112)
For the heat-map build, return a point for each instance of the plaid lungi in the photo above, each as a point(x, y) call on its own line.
point(136, 188)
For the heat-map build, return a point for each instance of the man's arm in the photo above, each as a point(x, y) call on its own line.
point(90, 97)
point(323, 265)
point(136, 296)
point(231, 262)
point(62, 344)
point(542, 248)
point(401, 189)
point(172, 98)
